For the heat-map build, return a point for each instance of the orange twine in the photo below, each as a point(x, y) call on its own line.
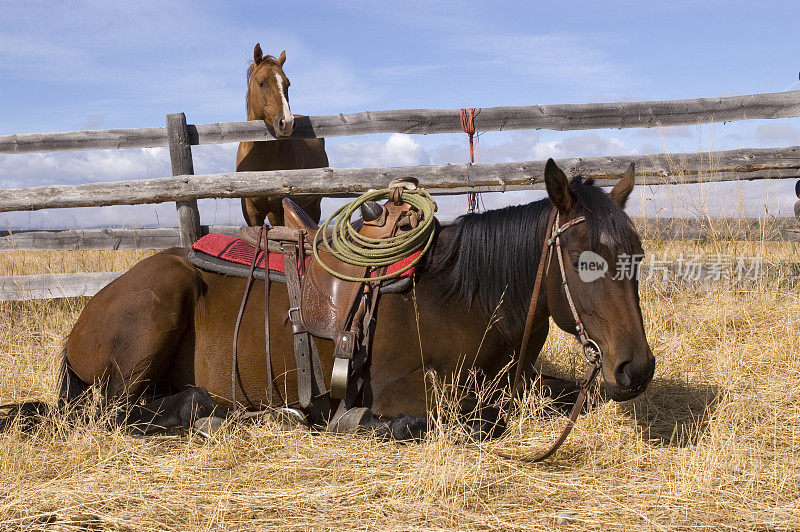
point(468, 125)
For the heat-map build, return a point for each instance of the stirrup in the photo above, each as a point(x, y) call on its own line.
point(208, 426)
point(285, 415)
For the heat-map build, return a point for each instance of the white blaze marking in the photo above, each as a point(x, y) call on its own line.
point(286, 111)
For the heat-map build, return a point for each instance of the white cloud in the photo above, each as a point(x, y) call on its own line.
point(35, 169)
point(528, 146)
point(212, 212)
point(397, 150)
point(778, 131)
point(68, 168)
point(764, 198)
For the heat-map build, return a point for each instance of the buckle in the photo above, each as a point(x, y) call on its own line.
point(299, 315)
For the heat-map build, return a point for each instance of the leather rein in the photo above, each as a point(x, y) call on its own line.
point(591, 351)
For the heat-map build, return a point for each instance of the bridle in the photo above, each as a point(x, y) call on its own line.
point(591, 351)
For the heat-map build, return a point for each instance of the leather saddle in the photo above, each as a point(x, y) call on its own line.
point(326, 300)
point(324, 305)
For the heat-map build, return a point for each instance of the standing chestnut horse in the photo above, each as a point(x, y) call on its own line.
point(166, 327)
point(268, 100)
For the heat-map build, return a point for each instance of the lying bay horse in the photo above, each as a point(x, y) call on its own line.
point(268, 99)
point(167, 325)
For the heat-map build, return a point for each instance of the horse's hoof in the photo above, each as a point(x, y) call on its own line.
point(406, 428)
point(349, 421)
point(208, 426)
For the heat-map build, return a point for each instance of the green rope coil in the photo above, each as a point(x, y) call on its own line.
point(347, 245)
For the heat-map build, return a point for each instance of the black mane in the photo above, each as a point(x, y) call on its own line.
point(495, 254)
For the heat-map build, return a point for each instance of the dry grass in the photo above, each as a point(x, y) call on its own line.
point(714, 443)
point(31, 263)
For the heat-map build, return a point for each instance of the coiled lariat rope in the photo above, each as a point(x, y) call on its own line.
point(347, 245)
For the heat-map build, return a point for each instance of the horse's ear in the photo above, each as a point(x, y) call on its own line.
point(558, 187)
point(282, 59)
point(619, 194)
point(258, 55)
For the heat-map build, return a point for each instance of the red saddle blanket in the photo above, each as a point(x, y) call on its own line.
point(237, 251)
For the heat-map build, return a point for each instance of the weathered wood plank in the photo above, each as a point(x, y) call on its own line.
point(101, 139)
point(428, 121)
point(743, 164)
point(54, 285)
point(86, 239)
point(770, 230)
point(669, 278)
point(180, 153)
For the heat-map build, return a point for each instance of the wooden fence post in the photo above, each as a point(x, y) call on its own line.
point(180, 153)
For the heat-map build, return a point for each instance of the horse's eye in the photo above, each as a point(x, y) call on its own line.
point(262, 84)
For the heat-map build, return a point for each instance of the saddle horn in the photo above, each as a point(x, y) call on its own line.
point(371, 210)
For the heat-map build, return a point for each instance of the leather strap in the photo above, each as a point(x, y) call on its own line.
point(248, 286)
point(310, 381)
point(537, 287)
point(302, 341)
point(362, 326)
point(267, 282)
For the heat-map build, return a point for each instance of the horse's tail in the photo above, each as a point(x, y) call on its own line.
point(72, 394)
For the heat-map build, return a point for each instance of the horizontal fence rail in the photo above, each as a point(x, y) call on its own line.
point(663, 278)
point(692, 229)
point(109, 239)
point(665, 168)
point(561, 117)
point(54, 285)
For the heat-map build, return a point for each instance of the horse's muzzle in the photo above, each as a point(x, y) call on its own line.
point(619, 394)
point(630, 377)
point(284, 127)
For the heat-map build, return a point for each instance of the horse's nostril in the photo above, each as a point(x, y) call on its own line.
point(624, 373)
point(285, 126)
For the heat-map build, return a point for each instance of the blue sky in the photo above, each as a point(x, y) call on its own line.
point(95, 65)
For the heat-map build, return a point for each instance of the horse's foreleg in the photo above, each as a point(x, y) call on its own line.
point(481, 421)
point(562, 392)
point(398, 406)
point(402, 427)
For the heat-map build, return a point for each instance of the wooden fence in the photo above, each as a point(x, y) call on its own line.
point(184, 188)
